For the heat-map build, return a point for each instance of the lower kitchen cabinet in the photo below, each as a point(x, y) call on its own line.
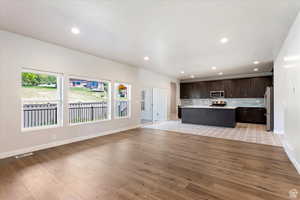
point(251, 115)
point(179, 112)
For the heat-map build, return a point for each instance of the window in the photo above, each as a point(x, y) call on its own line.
point(122, 100)
point(41, 99)
point(89, 100)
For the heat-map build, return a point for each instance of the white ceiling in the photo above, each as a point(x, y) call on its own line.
point(176, 34)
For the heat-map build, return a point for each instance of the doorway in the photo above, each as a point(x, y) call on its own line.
point(173, 103)
point(146, 105)
point(160, 102)
point(154, 102)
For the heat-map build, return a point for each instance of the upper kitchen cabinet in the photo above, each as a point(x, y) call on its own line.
point(216, 85)
point(258, 86)
point(233, 88)
point(228, 88)
point(204, 89)
point(189, 91)
point(242, 88)
point(185, 90)
point(194, 91)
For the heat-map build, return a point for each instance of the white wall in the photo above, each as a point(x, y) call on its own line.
point(17, 52)
point(287, 93)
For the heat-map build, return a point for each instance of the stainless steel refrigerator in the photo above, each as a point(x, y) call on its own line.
point(269, 105)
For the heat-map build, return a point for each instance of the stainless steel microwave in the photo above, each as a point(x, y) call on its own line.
point(217, 94)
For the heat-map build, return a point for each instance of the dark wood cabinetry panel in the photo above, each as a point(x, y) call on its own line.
point(258, 86)
point(204, 88)
point(209, 116)
point(242, 88)
point(179, 112)
point(228, 88)
point(185, 90)
point(195, 92)
point(234, 88)
point(251, 115)
point(217, 86)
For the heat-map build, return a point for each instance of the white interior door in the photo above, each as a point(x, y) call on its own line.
point(160, 101)
point(146, 105)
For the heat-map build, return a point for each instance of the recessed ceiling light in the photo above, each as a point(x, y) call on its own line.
point(182, 72)
point(292, 58)
point(256, 62)
point(224, 40)
point(220, 73)
point(255, 69)
point(213, 68)
point(192, 76)
point(75, 30)
point(146, 58)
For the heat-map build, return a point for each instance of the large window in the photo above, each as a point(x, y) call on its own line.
point(89, 100)
point(122, 100)
point(41, 99)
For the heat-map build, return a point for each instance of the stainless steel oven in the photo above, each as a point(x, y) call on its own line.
point(217, 94)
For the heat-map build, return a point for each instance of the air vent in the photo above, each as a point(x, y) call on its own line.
point(24, 155)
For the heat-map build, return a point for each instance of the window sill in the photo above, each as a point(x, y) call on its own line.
point(32, 129)
point(92, 122)
point(127, 117)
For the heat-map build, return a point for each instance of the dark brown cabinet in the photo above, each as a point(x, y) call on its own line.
point(228, 88)
point(233, 88)
point(209, 116)
point(185, 91)
point(195, 94)
point(259, 85)
point(204, 89)
point(243, 88)
point(251, 115)
point(179, 112)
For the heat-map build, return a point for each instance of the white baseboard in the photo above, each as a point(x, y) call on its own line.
point(62, 142)
point(291, 154)
point(279, 132)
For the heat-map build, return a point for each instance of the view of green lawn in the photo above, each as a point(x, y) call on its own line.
point(75, 94)
point(39, 93)
point(38, 86)
point(86, 95)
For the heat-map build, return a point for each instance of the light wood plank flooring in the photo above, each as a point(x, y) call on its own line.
point(151, 164)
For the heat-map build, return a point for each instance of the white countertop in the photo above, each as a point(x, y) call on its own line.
point(212, 107)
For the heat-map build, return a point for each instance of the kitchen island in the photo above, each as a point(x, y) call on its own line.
point(209, 115)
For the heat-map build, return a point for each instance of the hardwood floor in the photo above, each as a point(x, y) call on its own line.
point(151, 164)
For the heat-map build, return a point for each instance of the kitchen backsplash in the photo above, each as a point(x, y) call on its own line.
point(243, 102)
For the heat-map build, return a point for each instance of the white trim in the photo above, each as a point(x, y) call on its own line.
point(63, 142)
point(115, 100)
point(39, 101)
point(124, 117)
point(109, 99)
point(290, 153)
point(279, 132)
point(37, 71)
point(88, 122)
point(38, 128)
point(59, 101)
point(87, 78)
